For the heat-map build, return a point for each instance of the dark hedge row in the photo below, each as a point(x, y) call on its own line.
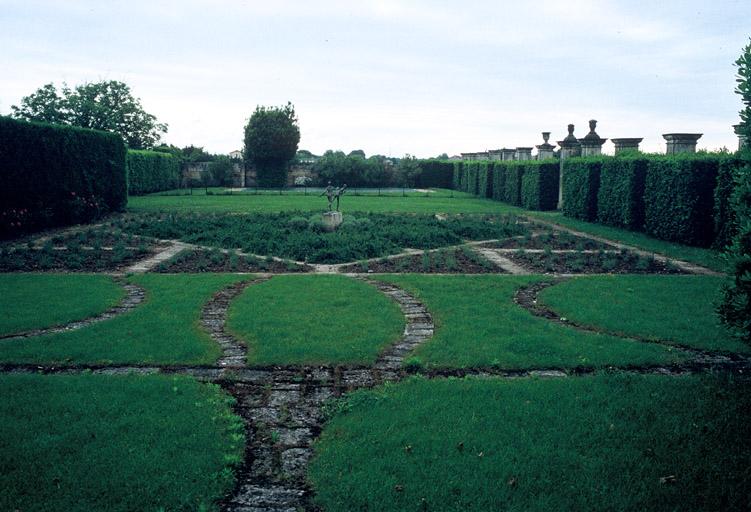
point(435, 174)
point(498, 181)
point(151, 171)
point(56, 175)
point(620, 200)
point(539, 190)
point(580, 179)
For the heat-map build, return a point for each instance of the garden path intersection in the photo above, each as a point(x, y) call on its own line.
point(283, 407)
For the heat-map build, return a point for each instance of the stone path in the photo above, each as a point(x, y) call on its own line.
point(504, 263)
point(134, 296)
point(149, 263)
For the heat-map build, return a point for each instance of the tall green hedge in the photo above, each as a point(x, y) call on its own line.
point(458, 171)
point(56, 175)
point(473, 171)
point(539, 190)
point(151, 171)
point(484, 184)
point(435, 174)
point(498, 174)
point(620, 200)
point(725, 224)
point(512, 190)
point(679, 198)
point(580, 180)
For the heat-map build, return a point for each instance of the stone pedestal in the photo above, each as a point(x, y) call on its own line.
point(741, 138)
point(631, 144)
point(545, 150)
point(495, 154)
point(331, 220)
point(523, 154)
point(681, 142)
point(591, 144)
point(570, 146)
point(507, 154)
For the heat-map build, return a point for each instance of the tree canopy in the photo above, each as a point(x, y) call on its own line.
point(271, 139)
point(744, 90)
point(107, 105)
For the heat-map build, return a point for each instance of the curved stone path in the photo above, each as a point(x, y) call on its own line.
point(528, 298)
point(134, 296)
point(214, 319)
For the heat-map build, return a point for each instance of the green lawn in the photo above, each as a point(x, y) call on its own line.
point(443, 203)
point(704, 257)
point(478, 324)
point(591, 443)
point(163, 330)
point(34, 301)
point(325, 319)
point(93, 442)
point(674, 308)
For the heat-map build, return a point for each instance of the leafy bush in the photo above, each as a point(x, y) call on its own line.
point(735, 309)
point(151, 171)
point(580, 180)
point(679, 198)
point(539, 189)
point(435, 174)
point(512, 193)
point(724, 214)
point(620, 199)
point(57, 175)
point(271, 138)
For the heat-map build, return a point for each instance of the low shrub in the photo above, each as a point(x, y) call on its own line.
point(580, 180)
point(539, 185)
point(620, 199)
point(57, 175)
point(151, 171)
point(679, 198)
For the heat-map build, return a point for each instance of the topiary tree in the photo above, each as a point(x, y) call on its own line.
point(271, 139)
point(744, 90)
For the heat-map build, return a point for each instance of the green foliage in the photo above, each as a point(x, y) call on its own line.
point(743, 79)
point(353, 170)
point(724, 215)
point(580, 180)
point(221, 170)
point(57, 175)
point(456, 182)
point(271, 138)
point(118, 443)
point(679, 198)
point(151, 171)
point(512, 190)
point(435, 174)
point(539, 189)
point(108, 105)
point(498, 173)
point(484, 183)
point(620, 199)
point(735, 309)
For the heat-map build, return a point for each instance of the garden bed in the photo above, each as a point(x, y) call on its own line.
point(72, 259)
point(556, 240)
point(623, 262)
point(204, 260)
point(445, 261)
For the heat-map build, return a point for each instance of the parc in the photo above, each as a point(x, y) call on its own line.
point(276, 331)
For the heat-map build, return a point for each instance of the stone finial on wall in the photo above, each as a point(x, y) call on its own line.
point(627, 144)
point(681, 142)
point(523, 153)
point(741, 138)
point(570, 146)
point(545, 150)
point(592, 143)
point(495, 154)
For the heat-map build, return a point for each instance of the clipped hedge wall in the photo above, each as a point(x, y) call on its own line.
point(56, 175)
point(151, 171)
point(435, 174)
point(512, 190)
point(473, 171)
point(580, 180)
point(620, 199)
point(679, 198)
point(458, 172)
point(539, 185)
point(498, 174)
point(484, 184)
point(725, 223)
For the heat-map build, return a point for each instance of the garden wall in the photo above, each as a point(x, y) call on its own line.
point(56, 175)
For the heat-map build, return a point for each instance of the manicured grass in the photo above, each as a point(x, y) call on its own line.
point(704, 257)
point(592, 443)
point(93, 442)
point(323, 319)
point(34, 301)
point(163, 330)
point(461, 203)
point(675, 308)
point(478, 324)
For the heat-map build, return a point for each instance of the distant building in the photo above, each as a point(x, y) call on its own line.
point(236, 155)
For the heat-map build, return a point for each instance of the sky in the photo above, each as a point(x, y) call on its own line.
point(395, 77)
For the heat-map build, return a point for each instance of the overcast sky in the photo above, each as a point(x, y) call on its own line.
point(395, 77)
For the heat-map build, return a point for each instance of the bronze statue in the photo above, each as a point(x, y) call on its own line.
point(332, 193)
